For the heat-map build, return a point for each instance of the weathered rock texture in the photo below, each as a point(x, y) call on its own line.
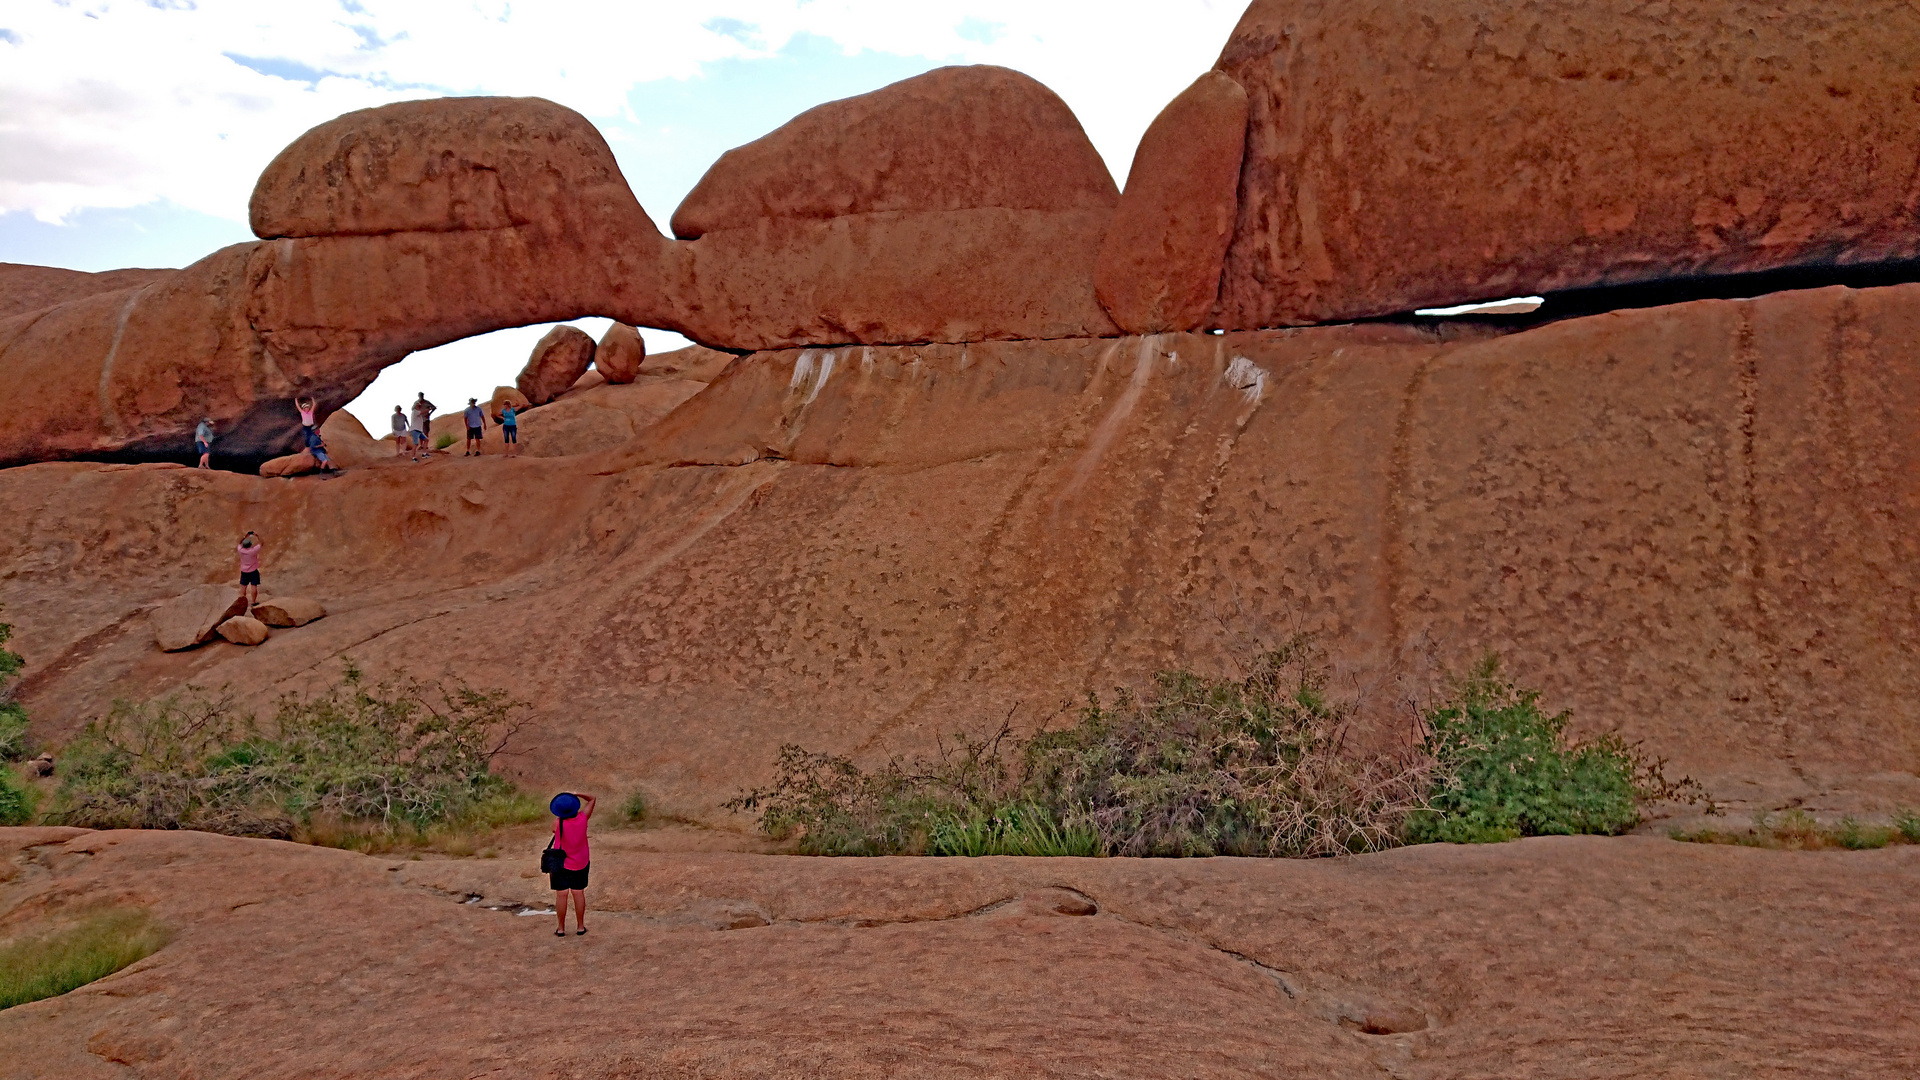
point(1408, 153)
point(959, 205)
point(287, 611)
point(693, 362)
point(1160, 262)
point(559, 358)
point(393, 229)
point(193, 617)
point(244, 630)
point(1573, 956)
point(620, 353)
point(286, 465)
point(1695, 525)
point(26, 288)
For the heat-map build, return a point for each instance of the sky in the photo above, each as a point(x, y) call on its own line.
point(132, 131)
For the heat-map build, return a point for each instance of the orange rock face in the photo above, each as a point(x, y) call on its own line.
point(620, 353)
point(30, 288)
point(1412, 154)
point(559, 358)
point(1694, 525)
point(1159, 265)
point(960, 205)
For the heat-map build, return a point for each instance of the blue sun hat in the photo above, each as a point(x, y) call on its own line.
point(565, 805)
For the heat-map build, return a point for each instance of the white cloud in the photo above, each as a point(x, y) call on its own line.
point(116, 103)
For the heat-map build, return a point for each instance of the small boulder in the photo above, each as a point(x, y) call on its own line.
point(558, 361)
point(41, 766)
point(288, 611)
point(620, 353)
point(504, 396)
point(242, 630)
point(191, 618)
point(290, 465)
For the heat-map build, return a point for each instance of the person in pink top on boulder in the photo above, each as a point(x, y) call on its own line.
point(570, 836)
point(249, 550)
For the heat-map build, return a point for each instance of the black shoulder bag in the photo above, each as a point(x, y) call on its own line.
point(553, 860)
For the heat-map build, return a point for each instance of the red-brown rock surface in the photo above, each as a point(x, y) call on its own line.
point(1694, 525)
point(288, 611)
point(25, 288)
point(1159, 265)
point(619, 354)
point(693, 362)
point(1551, 957)
point(194, 616)
point(244, 630)
point(959, 205)
point(1412, 153)
point(559, 358)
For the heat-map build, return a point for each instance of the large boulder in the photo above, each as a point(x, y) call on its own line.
point(298, 464)
point(959, 205)
point(25, 288)
point(559, 358)
point(244, 630)
point(620, 353)
point(288, 611)
point(194, 616)
point(1409, 153)
point(1159, 265)
point(504, 396)
point(694, 362)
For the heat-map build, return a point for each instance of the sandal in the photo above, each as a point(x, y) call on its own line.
point(559, 933)
point(580, 931)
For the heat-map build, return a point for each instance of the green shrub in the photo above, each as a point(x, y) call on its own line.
point(1195, 766)
point(97, 946)
point(633, 811)
point(1797, 830)
point(1908, 823)
point(444, 440)
point(399, 755)
point(1503, 768)
point(13, 717)
point(17, 800)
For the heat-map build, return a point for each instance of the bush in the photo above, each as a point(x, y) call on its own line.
point(17, 800)
point(13, 717)
point(444, 440)
point(96, 947)
point(634, 810)
point(1503, 768)
point(1196, 766)
point(399, 755)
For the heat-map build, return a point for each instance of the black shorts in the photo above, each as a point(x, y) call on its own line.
point(563, 880)
point(510, 432)
point(473, 432)
point(249, 577)
point(202, 448)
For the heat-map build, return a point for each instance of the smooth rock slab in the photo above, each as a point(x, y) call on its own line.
point(288, 611)
point(191, 618)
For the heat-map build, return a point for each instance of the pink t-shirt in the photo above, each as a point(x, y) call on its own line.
point(306, 415)
point(573, 841)
point(249, 558)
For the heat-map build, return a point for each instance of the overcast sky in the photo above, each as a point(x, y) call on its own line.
point(131, 131)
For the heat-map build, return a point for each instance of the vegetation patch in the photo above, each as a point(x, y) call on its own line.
point(16, 798)
point(1197, 766)
point(359, 765)
point(1797, 830)
point(98, 945)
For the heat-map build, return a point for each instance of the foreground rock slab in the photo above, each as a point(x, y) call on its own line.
point(1556, 957)
point(194, 617)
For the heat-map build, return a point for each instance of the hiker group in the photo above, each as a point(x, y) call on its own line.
point(410, 428)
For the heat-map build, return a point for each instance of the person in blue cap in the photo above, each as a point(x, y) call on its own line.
point(570, 836)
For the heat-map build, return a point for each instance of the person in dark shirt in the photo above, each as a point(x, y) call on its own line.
point(476, 426)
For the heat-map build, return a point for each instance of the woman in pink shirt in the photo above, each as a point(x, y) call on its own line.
point(249, 550)
point(570, 836)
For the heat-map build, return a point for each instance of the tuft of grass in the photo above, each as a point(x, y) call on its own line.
point(95, 947)
point(1797, 830)
point(633, 810)
point(13, 716)
point(470, 832)
point(444, 440)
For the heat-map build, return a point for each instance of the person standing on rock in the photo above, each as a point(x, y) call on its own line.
point(203, 442)
point(422, 416)
point(476, 418)
point(402, 434)
point(570, 835)
point(249, 550)
point(306, 407)
point(510, 429)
